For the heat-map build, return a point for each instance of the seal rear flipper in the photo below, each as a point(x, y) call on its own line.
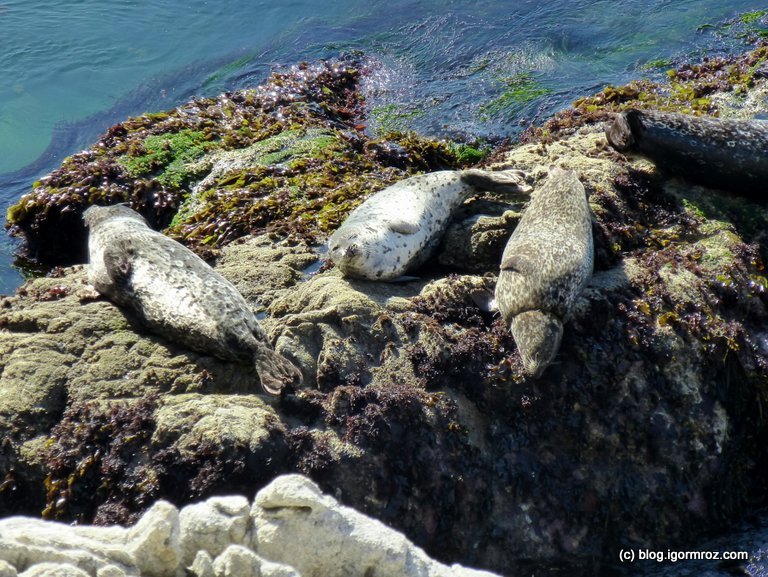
point(275, 371)
point(504, 181)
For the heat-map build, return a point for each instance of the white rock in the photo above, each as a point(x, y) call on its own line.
point(26, 541)
point(154, 541)
point(295, 523)
point(110, 571)
point(291, 530)
point(212, 525)
point(54, 570)
point(239, 561)
point(7, 570)
point(202, 566)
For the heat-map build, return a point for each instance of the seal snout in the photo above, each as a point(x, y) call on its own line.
point(537, 335)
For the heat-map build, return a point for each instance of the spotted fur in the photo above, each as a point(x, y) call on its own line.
point(546, 264)
point(176, 294)
point(397, 229)
point(727, 154)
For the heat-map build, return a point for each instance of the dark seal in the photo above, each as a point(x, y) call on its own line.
point(726, 154)
point(178, 295)
point(545, 266)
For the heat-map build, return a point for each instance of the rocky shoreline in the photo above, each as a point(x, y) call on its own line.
point(415, 409)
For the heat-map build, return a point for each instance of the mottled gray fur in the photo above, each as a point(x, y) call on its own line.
point(397, 229)
point(727, 154)
point(546, 264)
point(176, 294)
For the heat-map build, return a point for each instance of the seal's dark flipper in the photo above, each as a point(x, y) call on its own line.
point(619, 132)
point(403, 226)
point(118, 264)
point(503, 181)
point(518, 263)
point(275, 371)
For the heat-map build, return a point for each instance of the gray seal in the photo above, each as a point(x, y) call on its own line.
point(545, 266)
point(397, 229)
point(727, 154)
point(178, 295)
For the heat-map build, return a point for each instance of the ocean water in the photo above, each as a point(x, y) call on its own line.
point(70, 69)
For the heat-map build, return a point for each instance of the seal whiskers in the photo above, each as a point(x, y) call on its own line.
point(177, 295)
point(546, 264)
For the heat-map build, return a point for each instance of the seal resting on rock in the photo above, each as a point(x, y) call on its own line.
point(176, 294)
point(546, 264)
point(397, 229)
point(727, 154)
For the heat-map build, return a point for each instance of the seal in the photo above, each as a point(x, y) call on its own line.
point(727, 154)
point(176, 294)
point(546, 264)
point(397, 229)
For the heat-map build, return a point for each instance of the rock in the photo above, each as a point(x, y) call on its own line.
point(475, 241)
point(222, 537)
point(54, 570)
point(237, 561)
point(154, 542)
point(336, 540)
point(202, 565)
point(211, 526)
point(7, 570)
point(645, 432)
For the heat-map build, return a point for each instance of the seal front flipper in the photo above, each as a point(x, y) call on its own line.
point(519, 263)
point(403, 226)
point(117, 262)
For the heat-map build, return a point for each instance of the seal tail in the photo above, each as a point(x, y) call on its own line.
point(503, 181)
point(275, 371)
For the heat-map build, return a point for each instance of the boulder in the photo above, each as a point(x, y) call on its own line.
point(290, 530)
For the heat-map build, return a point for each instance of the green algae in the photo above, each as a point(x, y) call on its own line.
point(168, 156)
point(519, 90)
point(393, 118)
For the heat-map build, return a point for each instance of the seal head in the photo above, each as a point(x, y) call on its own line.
point(537, 335)
point(178, 295)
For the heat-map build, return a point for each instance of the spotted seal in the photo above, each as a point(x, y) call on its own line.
point(726, 154)
point(397, 229)
point(545, 265)
point(176, 294)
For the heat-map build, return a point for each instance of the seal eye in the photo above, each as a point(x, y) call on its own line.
point(352, 250)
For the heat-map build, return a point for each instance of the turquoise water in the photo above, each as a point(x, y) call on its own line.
point(68, 70)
